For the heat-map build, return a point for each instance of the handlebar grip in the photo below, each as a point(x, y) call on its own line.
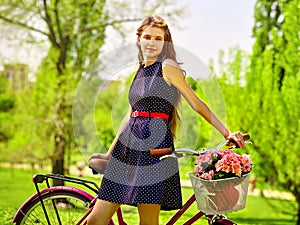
point(160, 151)
point(232, 142)
point(246, 137)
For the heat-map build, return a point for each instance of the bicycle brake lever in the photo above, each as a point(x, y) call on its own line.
point(221, 144)
point(227, 142)
point(173, 155)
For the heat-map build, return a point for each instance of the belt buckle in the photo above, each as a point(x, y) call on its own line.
point(134, 114)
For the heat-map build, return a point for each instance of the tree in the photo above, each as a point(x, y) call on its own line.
point(75, 32)
point(6, 105)
point(231, 76)
point(273, 86)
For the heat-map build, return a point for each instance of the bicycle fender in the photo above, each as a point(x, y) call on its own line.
point(20, 211)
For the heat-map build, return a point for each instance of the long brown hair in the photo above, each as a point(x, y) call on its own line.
point(168, 52)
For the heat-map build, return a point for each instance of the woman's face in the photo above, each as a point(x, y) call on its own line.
point(152, 43)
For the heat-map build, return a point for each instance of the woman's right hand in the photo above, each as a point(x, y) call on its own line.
point(98, 162)
point(104, 156)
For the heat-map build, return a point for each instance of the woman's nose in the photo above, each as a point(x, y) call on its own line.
point(152, 41)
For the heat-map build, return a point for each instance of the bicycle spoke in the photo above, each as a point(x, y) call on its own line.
point(69, 208)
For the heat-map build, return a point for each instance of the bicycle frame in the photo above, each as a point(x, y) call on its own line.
point(179, 213)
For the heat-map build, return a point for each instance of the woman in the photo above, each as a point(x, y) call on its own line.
point(133, 176)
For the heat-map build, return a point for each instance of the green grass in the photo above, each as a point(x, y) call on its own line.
point(16, 187)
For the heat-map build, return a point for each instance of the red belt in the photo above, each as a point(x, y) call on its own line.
point(150, 115)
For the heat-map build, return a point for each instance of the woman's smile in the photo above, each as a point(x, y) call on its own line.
point(151, 49)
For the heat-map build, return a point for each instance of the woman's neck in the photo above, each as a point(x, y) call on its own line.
point(149, 62)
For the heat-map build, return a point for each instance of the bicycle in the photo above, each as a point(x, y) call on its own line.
point(67, 205)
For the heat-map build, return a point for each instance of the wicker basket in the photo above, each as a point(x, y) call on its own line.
point(220, 196)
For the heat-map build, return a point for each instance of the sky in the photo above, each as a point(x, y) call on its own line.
point(207, 27)
point(212, 25)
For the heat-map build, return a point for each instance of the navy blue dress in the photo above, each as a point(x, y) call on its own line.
point(132, 175)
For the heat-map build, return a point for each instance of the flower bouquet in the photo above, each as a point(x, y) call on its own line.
point(221, 180)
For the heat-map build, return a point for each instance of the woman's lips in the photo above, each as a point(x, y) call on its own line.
point(151, 49)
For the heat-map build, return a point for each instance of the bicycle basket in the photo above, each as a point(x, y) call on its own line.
point(220, 196)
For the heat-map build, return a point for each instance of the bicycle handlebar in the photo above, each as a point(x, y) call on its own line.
point(180, 152)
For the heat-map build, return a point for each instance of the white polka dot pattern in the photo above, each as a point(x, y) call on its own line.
point(133, 176)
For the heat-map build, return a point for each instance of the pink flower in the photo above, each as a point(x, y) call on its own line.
point(208, 176)
point(198, 169)
point(247, 168)
point(236, 169)
point(222, 162)
point(200, 159)
point(222, 153)
point(222, 166)
point(206, 158)
point(246, 163)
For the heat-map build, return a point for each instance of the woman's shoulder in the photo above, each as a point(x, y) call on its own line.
point(170, 63)
point(172, 71)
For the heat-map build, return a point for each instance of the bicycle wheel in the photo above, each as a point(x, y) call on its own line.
point(70, 206)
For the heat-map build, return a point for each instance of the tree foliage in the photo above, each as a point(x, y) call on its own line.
point(7, 103)
point(273, 86)
point(75, 32)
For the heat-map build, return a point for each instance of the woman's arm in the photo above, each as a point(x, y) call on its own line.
point(121, 128)
point(173, 74)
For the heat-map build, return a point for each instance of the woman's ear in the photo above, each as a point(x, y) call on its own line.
point(138, 40)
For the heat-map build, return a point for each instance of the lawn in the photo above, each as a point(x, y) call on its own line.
point(16, 187)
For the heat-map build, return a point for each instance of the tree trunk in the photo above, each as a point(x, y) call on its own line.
point(58, 160)
point(60, 138)
point(60, 135)
point(298, 211)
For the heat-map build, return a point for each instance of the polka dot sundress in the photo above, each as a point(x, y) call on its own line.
point(132, 175)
